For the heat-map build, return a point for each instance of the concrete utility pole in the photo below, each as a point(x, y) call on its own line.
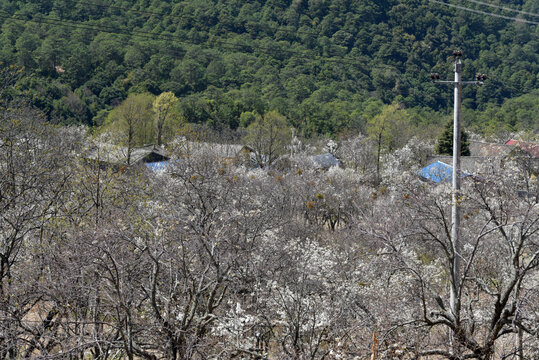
point(455, 210)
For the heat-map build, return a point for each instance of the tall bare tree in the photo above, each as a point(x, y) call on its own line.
point(34, 175)
point(496, 299)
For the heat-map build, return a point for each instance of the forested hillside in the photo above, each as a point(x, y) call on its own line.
point(255, 180)
point(320, 63)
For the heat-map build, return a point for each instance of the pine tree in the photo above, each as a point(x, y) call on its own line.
point(445, 141)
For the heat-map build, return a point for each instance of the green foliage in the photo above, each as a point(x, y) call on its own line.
point(514, 115)
point(268, 136)
point(444, 146)
point(390, 129)
point(247, 118)
point(163, 109)
point(319, 63)
point(131, 121)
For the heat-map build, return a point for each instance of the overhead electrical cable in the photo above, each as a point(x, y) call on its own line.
point(126, 32)
point(503, 8)
point(173, 16)
point(88, 27)
point(171, 37)
point(169, 15)
point(235, 46)
point(108, 6)
point(485, 13)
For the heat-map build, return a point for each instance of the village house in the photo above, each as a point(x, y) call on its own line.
point(484, 159)
point(108, 155)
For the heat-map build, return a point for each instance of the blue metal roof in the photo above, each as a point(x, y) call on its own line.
point(438, 172)
point(157, 166)
point(326, 160)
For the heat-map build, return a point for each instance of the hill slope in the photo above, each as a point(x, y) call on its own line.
point(315, 61)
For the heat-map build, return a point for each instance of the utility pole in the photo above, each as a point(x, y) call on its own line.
point(455, 209)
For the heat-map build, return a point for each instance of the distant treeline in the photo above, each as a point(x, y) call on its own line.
point(320, 63)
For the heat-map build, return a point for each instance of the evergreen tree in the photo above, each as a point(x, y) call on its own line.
point(445, 141)
point(230, 62)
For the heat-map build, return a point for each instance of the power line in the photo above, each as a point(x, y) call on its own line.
point(143, 12)
point(168, 15)
point(485, 13)
point(126, 32)
point(219, 42)
point(96, 27)
point(88, 27)
point(167, 37)
point(170, 37)
point(503, 8)
point(298, 31)
point(293, 32)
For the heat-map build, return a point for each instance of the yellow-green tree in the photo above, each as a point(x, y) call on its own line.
point(389, 129)
point(268, 136)
point(163, 108)
point(131, 121)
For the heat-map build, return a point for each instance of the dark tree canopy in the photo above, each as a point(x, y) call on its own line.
point(445, 141)
point(316, 62)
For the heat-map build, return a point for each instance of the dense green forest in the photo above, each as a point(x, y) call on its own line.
point(328, 66)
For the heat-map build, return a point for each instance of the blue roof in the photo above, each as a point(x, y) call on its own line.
point(438, 172)
point(157, 166)
point(326, 160)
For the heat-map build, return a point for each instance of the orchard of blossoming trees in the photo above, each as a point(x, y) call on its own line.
point(211, 259)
